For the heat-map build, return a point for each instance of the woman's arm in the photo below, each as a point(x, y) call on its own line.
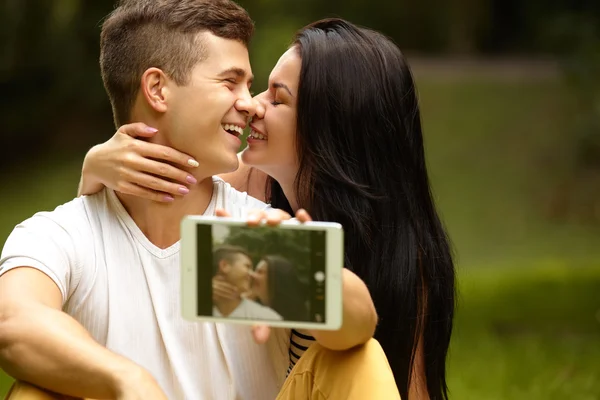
point(359, 314)
point(360, 317)
point(129, 164)
point(89, 183)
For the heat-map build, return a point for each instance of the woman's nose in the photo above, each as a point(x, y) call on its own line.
point(260, 111)
point(260, 105)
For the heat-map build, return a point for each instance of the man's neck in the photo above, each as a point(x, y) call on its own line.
point(160, 222)
point(226, 307)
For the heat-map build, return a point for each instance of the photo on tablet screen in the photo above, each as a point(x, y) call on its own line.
point(261, 273)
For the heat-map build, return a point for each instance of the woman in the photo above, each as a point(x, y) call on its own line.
point(275, 284)
point(340, 136)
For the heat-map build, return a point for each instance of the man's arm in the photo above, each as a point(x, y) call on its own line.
point(359, 316)
point(42, 345)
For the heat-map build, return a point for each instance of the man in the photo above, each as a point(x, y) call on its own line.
point(111, 261)
point(232, 265)
point(89, 293)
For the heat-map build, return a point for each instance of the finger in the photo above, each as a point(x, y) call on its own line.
point(261, 333)
point(225, 288)
point(255, 217)
point(222, 213)
point(165, 153)
point(164, 170)
point(137, 129)
point(274, 217)
point(225, 294)
point(233, 296)
point(134, 190)
point(303, 216)
point(156, 184)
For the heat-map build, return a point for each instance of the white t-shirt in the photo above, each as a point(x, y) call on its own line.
point(126, 292)
point(249, 309)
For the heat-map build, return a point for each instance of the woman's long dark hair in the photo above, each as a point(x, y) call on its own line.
point(286, 292)
point(362, 164)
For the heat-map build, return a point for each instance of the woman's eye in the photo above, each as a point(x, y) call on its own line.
point(275, 102)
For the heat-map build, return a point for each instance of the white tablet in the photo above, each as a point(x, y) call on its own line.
point(284, 276)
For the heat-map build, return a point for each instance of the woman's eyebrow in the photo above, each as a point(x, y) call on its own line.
point(279, 85)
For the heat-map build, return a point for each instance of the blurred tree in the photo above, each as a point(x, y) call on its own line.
point(469, 23)
point(49, 75)
point(577, 38)
point(54, 100)
point(261, 241)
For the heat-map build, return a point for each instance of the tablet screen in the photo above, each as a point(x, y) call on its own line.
point(261, 273)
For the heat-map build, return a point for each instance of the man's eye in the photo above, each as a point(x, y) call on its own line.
point(231, 80)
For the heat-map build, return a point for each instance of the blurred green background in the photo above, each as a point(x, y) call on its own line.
point(510, 95)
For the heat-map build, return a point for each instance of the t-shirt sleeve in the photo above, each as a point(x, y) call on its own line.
point(250, 203)
point(44, 244)
point(239, 204)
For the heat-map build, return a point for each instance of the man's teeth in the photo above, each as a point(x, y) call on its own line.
point(256, 135)
point(232, 128)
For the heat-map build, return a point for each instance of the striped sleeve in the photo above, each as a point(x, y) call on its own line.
point(299, 342)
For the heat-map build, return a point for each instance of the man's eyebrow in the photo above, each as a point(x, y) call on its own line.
point(279, 85)
point(239, 72)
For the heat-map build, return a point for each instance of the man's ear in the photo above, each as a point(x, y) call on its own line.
point(224, 266)
point(155, 89)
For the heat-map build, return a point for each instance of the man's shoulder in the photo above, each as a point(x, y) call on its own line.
point(234, 201)
point(70, 215)
point(57, 242)
point(259, 311)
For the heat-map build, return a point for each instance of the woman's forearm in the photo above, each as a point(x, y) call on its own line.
point(359, 316)
point(88, 184)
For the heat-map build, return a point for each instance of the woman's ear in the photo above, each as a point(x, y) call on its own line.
point(155, 89)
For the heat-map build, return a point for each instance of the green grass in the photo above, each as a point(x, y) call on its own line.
point(524, 333)
point(528, 324)
point(494, 151)
point(527, 333)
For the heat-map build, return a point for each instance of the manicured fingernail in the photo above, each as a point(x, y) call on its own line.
point(151, 130)
point(191, 180)
point(183, 190)
point(169, 198)
point(193, 163)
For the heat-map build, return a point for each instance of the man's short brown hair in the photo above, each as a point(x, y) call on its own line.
point(229, 253)
point(140, 34)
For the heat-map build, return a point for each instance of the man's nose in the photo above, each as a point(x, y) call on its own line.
point(246, 106)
